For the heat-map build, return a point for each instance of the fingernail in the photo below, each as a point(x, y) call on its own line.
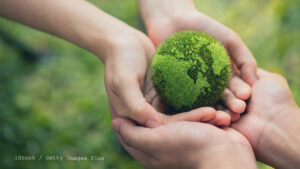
point(116, 125)
point(151, 124)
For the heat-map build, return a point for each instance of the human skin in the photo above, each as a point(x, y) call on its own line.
point(271, 126)
point(272, 122)
point(181, 145)
point(126, 53)
point(162, 18)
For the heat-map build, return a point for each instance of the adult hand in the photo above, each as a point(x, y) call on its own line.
point(272, 123)
point(181, 145)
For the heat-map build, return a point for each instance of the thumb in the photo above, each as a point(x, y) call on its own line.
point(243, 59)
point(139, 109)
point(203, 114)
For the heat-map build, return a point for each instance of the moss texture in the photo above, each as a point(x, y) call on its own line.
point(190, 69)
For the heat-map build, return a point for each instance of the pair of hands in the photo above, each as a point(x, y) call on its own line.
point(176, 143)
point(269, 128)
point(128, 83)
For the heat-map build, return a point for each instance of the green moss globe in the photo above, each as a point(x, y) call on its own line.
point(190, 69)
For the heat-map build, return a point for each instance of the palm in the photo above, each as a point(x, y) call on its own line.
point(168, 145)
point(270, 98)
point(200, 134)
point(134, 88)
point(151, 95)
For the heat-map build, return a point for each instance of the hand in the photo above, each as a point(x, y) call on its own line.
point(177, 15)
point(130, 89)
point(131, 92)
point(271, 123)
point(165, 17)
point(181, 145)
point(223, 115)
point(125, 71)
point(125, 51)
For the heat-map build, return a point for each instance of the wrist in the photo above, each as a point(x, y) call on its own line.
point(153, 10)
point(228, 157)
point(279, 144)
point(104, 40)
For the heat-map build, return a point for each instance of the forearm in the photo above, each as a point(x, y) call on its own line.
point(280, 142)
point(76, 21)
point(232, 157)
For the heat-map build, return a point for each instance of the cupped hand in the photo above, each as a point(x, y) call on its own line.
point(271, 104)
point(164, 18)
point(130, 89)
point(180, 145)
point(227, 110)
point(125, 70)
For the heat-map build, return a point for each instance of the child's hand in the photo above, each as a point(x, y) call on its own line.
point(130, 90)
point(125, 51)
point(165, 17)
point(229, 108)
point(233, 99)
point(125, 70)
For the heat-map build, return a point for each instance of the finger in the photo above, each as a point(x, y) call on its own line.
point(240, 89)
point(235, 70)
point(233, 116)
point(222, 119)
point(202, 114)
point(139, 109)
point(158, 105)
point(137, 154)
point(236, 48)
point(232, 103)
point(134, 136)
point(243, 59)
point(150, 95)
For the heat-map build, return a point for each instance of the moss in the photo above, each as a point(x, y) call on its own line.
point(189, 70)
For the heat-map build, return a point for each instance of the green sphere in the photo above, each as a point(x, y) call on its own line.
point(190, 69)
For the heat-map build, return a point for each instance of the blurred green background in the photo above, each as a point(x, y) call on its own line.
point(58, 105)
